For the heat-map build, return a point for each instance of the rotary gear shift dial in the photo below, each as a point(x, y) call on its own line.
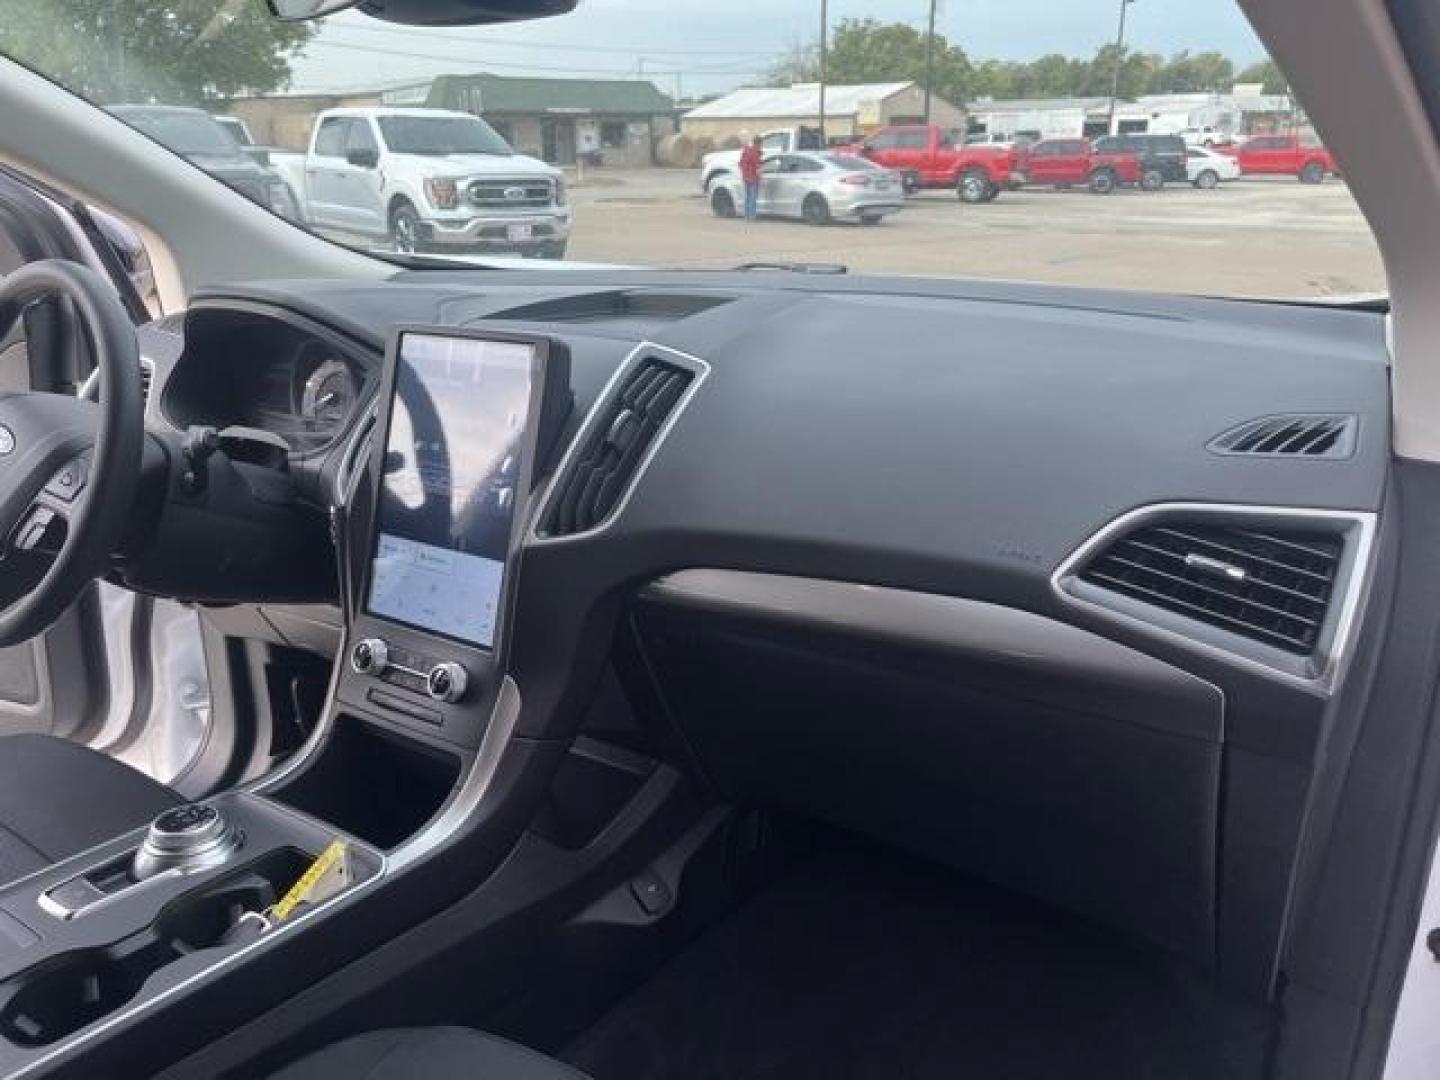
point(189, 837)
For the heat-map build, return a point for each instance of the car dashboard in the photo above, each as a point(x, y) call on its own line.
point(1052, 585)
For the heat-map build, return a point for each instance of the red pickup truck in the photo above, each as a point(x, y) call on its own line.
point(1283, 155)
point(1069, 162)
point(928, 155)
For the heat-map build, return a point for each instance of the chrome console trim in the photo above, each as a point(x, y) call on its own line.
point(472, 790)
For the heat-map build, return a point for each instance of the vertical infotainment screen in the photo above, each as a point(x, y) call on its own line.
point(452, 468)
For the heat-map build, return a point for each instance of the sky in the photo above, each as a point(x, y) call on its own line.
point(701, 46)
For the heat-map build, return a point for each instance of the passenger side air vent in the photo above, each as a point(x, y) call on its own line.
point(1311, 435)
point(620, 436)
point(1271, 585)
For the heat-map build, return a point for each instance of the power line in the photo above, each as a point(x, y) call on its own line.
point(453, 39)
point(471, 61)
point(514, 65)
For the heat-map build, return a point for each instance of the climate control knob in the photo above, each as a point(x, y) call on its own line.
point(446, 681)
point(370, 656)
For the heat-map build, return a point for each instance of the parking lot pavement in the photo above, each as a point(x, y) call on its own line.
point(1270, 236)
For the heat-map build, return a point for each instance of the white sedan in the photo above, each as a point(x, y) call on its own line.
point(1206, 168)
point(816, 187)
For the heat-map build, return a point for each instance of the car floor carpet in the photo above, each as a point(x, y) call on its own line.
point(868, 965)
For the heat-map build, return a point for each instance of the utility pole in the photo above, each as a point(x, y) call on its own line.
point(1119, 59)
point(929, 60)
point(824, 34)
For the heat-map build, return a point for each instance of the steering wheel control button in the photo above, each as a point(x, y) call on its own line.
point(69, 481)
point(31, 532)
point(446, 682)
point(370, 656)
point(185, 838)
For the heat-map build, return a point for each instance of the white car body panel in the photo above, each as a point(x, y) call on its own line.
point(358, 199)
point(1199, 160)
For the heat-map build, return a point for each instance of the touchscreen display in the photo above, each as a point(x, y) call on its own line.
point(447, 496)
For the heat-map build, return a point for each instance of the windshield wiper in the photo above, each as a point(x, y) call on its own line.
point(797, 267)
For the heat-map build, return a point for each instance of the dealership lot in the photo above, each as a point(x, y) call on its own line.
point(1263, 236)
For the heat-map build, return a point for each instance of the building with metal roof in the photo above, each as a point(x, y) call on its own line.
point(1234, 115)
point(850, 110)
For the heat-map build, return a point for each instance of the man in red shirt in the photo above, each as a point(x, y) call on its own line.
point(750, 174)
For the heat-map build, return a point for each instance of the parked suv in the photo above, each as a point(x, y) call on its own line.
point(429, 179)
point(1285, 155)
point(1071, 162)
point(1162, 157)
point(198, 137)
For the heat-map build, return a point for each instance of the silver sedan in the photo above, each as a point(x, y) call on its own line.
point(816, 187)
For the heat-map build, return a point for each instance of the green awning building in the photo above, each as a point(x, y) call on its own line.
point(560, 120)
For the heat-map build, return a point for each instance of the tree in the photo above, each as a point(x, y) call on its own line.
point(1053, 75)
point(1268, 73)
point(995, 79)
point(867, 50)
point(172, 51)
point(798, 65)
point(1183, 73)
point(1137, 73)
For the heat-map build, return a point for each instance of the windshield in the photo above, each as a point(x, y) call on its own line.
point(441, 135)
point(614, 135)
point(185, 133)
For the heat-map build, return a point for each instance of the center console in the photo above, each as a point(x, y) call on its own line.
point(451, 466)
point(419, 709)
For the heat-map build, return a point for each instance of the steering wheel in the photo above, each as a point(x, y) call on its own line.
point(65, 464)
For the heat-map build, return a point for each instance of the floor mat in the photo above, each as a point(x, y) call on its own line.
point(863, 966)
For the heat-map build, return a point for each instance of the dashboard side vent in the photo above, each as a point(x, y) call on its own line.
point(1311, 435)
point(1270, 585)
point(627, 426)
point(147, 374)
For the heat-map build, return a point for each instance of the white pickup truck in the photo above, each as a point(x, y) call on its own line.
point(427, 180)
point(718, 163)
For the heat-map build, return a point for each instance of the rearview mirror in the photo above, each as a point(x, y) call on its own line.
point(300, 10)
point(366, 157)
point(426, 12)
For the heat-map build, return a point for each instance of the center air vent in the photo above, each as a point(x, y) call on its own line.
point(620, 436)
point(1272, 585)
point(1312, 435)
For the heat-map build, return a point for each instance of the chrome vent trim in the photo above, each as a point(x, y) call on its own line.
point(596, 430)
point(1271, 585)
point(1320, 667)
point(1326, 436)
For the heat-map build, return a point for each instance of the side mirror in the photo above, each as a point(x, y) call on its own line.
point(366, 157)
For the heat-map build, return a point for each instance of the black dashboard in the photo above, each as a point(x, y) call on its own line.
point(890, 547)
point(248, 369)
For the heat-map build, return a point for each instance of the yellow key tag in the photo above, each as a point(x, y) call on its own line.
point(326, 876)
